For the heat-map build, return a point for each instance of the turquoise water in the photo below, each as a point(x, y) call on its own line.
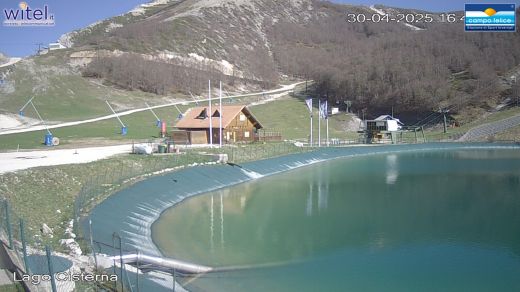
point(435, 221)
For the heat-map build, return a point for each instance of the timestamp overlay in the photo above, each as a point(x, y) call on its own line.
point(406, 18)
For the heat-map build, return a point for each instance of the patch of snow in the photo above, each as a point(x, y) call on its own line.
point(141, 9)
point(12, 121)
point(413, 27)
point(66, 40)
point(381, 12)
point(197, 57)
point(112, 26)
point(23, 160)
point(10, 62)
point(224, 66)
point(195, 9)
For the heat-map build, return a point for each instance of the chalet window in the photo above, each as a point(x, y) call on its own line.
point(242, 117)
point(203, 115)
point(246, 134)
point(216, 114)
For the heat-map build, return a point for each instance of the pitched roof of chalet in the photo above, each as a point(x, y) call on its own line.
point(197, 118)
point(387, 118)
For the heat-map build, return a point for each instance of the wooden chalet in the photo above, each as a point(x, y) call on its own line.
point(238, 124)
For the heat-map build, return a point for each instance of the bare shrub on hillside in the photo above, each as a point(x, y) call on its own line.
point(383, 65)
point(131, 71)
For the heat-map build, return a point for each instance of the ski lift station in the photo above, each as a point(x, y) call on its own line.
point(382, 130)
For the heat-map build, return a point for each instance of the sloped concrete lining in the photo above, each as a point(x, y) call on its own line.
point(132, 211)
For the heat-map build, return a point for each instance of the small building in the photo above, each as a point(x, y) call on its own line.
point(56, 46)
point(390, 118)
point(383, 129)
point(238, 124)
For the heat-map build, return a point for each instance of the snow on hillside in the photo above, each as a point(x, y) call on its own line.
point(381, 12)
point(141, 9)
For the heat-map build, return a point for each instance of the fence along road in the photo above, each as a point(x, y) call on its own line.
point(490, 129)
point(285, 88)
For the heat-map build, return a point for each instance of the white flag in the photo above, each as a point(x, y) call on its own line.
point(309, 104)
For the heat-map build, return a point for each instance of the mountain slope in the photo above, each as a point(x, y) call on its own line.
point(165, 47)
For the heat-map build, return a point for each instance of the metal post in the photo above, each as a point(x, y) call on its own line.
point(424, 137)
point(154, 114)
point(92, 242)
point(51, 272)
point(41, 119)
point(8, 222)
point(328, 143)
point(319, 123)
point(193, 97)
point(137, 274)
point(311, 142)
point(210, 117)
point(114, 248)
point(24, 245)
point(445, 125)
point(220, 115)
point(123, 126)
point(121, 262)
point(174, 278)
point(117, 116)
point(26, 104)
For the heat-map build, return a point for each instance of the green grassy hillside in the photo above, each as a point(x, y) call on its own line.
point(61, 94)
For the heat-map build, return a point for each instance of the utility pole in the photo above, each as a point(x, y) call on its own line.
point(444, 112)
point(39, 47)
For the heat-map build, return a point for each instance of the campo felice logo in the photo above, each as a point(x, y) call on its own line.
point(24, 15)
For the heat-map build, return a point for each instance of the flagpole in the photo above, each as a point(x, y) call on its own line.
point(311, 130)
point(327, 118)
point(326, 115)
point(319, 122)
point(210, 118)
point(220, 111)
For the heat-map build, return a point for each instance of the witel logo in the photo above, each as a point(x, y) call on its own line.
point(27, 16)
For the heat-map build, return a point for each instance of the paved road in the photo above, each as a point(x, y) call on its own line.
point(490, 129)
point(285, 88)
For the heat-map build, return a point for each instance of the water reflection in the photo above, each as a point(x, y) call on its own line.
point(309, 200)
point(221, 220)
point(392, 169)
point(323, 189)
point(347, 204)
point(322, 193)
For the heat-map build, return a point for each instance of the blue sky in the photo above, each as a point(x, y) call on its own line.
point(75, 14)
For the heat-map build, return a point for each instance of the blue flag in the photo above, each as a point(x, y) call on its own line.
point(324, 114)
